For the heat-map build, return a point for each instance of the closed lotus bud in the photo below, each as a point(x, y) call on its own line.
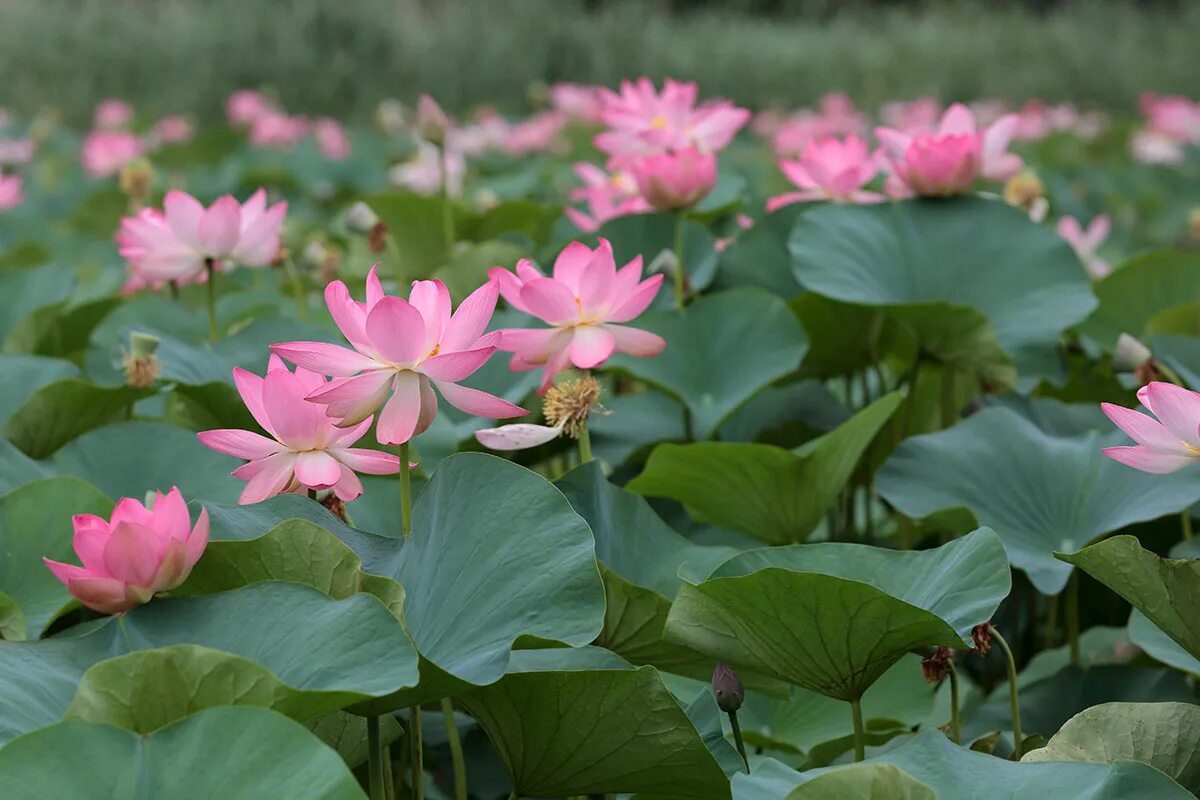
point(938, 665)
point(314, 255)
point(390, 116)
point(981, 635)
point(675, 180)
point(141, 365)
point(1130, 354)
point(360, 218)
point(727, 688)
point(136, 178)
point(432, 121)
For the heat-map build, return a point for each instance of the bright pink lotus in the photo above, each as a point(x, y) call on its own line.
point(402, 350)
point(585, 302)
point(11, 191)
point(1167, 444)
point(675, 179)
point(608, 196)
point(830, 169)
point(949, 160)
point(1087, 241)
point(306, 451)
point(139, 551)
point(105, 152)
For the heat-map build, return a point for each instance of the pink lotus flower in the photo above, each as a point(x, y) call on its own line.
point(306, 451)
point(275, 129)
point(949, 160)
point(1087, 242)
point(676, 179)
point(139, 551)
point(642, 121)
point(830, 169)
point(912, 116)
point(585, 302)
point(11, 191)
point(541, 133)
point(331, 138)
point(112, 114)
point(1151, 147)
point(432, 122)
point(1167, 444)
point(577, 102)
point(423, 174)
point(246, 105)
point(403, 349)
point(1175, 117)
point(172, 130)
point(607, 197)
point(105, 152)
point(15, 151)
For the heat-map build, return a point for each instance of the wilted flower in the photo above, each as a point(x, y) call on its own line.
point(137, 552)
point(727, 688)
point(105, 152)
point(676, 179)
point(830, 169)
point(938, 665)
point(1166, 444)
point(1087, 242)
point(112, 114)
point(981, 636)
point(566, 407)
point(140, 364)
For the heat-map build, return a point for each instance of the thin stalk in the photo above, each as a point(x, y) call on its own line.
point(416, 754)
point(297, 288)
point(312, 494)
point(1014, 699)
point(389, 776)
point(1051, 634)
point(210, 268)
point(585, 443)
point(456, 750)
point(737, 738)
point(447, 210)
point(513, 795)
point(679, 220)
point(405, 494)
point(860, 736)
point(375, 759)
point(949, 398)
point(954, 735)
point(1072, 617)
point(402, 765)
point(1185, 523)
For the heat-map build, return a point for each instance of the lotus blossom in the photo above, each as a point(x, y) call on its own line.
point(16, 151)
point(112, 114)
point(306, 450)
point(1166, 444)
point(1087, 241)
point(1151, 147)
point(105, 152)
point(172, 130)
point(402, 351)
point(949, 160)
point(830, 169)
point(577, 101)
point(432, 122)
point(423, 174)
point(585, 302)
point(1175, 117)
point(608, 196)
point(137, 552)
point(541, 133)
point(675, 179)
point(331, 139)
point(11, 191)
point(912, 116)
point(246, 105)
point(278, 130)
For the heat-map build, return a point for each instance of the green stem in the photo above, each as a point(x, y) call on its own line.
point(456, 750)
point(679, 219)
point(1013, 698)
point(1171, 375)
point(1051, 624)
point(585, 444)
point(405, 493)
point(375, 759)
point(416, 754)
point(297, 289)
point(1072, 617)
point(860, 736)
point(312, 494)
point(513, 795)
point(737, 738)
point(949, 398)
point(210, 268)
point(954, 735)
point(447, 210)
point(1185, 522)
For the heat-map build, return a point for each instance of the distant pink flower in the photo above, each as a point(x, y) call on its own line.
point(15, 151)
point(331, 139)
point(949, 160)
point(134, 554)
point(836, 116)
point(1151, 147)
point(675, 179)
point(423, 174)
point(112, 114)
point(585, 303)
point(432, 122)
point(541, 133)
point(105, 152)
point(830, 169)
point(912, 116)
point(577, 102)
point(11, 191)
point(172, 130)
point(402, 350)
point(275, 129)
point(306, 451)
point(1175, 117)
point(245, 106)
point(1087, 242)
point(607, 197)
point(1167, 444)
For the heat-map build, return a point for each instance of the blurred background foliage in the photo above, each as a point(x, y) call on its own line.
point(342, 56)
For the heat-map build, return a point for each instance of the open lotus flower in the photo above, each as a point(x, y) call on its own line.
point(830, 169)
point(105, 152)
point(306, 451)
point(608, 196)
point(246, 105)
point(112, 114)
point(137, 552)
point(1087, 241)
point(402, 350)
point(949, 160)
point(578, 102)
point(1166, 444)
point(172, 130)
point(585, 302)
point(11, 191)
point(275, 129)
point(675, 179)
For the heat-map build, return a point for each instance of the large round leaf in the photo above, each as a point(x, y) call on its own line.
point(647, 235)
point(21, 376)
point(1132, 296)
point(58, 412)
point(1148, 636)
point(263, 754)
point(833, 617)
point(1041, 493)
point(863, 782)
point(721, 351)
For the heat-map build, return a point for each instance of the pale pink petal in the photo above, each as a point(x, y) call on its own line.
point(197, 539)
point(636, 301)
point(219, 227)
point(316, 469)
point(91, 532)
point(69, 572)
point(183, 213)
point(170, 514)
point(129, 509)
point(550, 300)
point(345, 436)
point(591, 346)
point(396, 330)
point(570, 264)
point(457, 365)
point(1145, 430)
point(1146, 460)
point(432, 299)
point(429, 406)
point(481, 404)
point(627, 280)
point(1176, 408)
point(249, 386)
point(636, 342)
point(296, 421)
point(368, 462)
point(347, 314)
point(239, 444)
point(374, 287)
point(327, 359)
point(348, 486)
point(352, 400)
point(471, 318)
point(957, 119)
point(595, 289)
point(398, 420)
point(133, 552)
point(516, 437)
point(266, 477)
point(509, 287)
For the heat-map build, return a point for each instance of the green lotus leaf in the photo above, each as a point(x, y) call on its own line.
point(1148, 636)
point(833, 617)
point(176, 761)
point(1132, 296)
point(23, 375)
point(16, 468)
point(759, 257)
point(647, 235)
point(59, 412)
point(863, 782)
point(772, 494)
point(1041, 493)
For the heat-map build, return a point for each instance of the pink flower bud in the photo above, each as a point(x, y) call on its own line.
point(671, 181)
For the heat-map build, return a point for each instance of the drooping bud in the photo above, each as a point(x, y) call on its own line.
point(727, 688)
point(360, 218)
point(1027, 192)
point(136, 179)
point(568, 404)
point(432, 121)
point(1130, 354)
point(981, 635)
point(141, 365)
point(937, 666)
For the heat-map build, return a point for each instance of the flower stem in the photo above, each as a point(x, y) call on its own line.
point(297, 288)
point(737, 738)
point(312, 494)
point(954, 735)
point(416, 755)
point(585, 443)
point(1014, 700)
point(456, 750)
point(447, 210)
point(860, 736)
point(210, 268)
point(679, 220)
point(405, 492)
point(1072, 617)
point(375, 759)
point(1185, 522)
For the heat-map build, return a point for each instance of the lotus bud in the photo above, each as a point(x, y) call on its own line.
point(1193, 225)
point(569, 403)
point(360, 218)
point(1130, 354)
point(485, 200)
point(981, 635)
point(136, 178)
point(727, 688)
point(390, 116)
point(314, 255)
point(937, 666)
point(141, 365)
point(664, 262)
point(432, 121)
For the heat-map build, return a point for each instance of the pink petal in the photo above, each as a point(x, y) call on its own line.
point(249, 386)
point(219, 227)
point(266, 477)
point(591, 346)
point(170, 514)
point(550, 300)
point(183, 213)
point(352, 400)
point(957, 119)
point(348, 486)
point(239, 444)
point(432, 300)
point(1176, 408)
point(596, 281)
point(480, 404)
point(327, 359)
point(637, 301)
point(636, 342)
point(471, 318)
point(344, 436)
point(1148, 461)
point(133, 553)
point(627, 280)
point(516, 437)
point(296, 421)
point(429, 405)
point(398, 420)
point(368, 462)
point(68, 572)
point(316, 469)
point(129, 509)
point(1144, 430)
point(533, 345)
point(396, 330)
point(571, 263)
point(508, 285)
point(374, 287)
point(91, 532)
point(456, 366)
point(197, 539)
point(347, 314)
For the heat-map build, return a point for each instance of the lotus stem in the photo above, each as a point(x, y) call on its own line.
point(405, 494)
point(949, 398)
point(954, 734)
point(1051, 624)
point(447, 210)
point(1014, 699)
point(297, 288)
point(1185, 523)
point(737, 739)
point(1072, 617)
point(860, 736)
point(679, 220)
point(585, 444)
point(375, 759)
point(513, 795)
point(416, 754)
point(210, 268)
point(456, 750)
